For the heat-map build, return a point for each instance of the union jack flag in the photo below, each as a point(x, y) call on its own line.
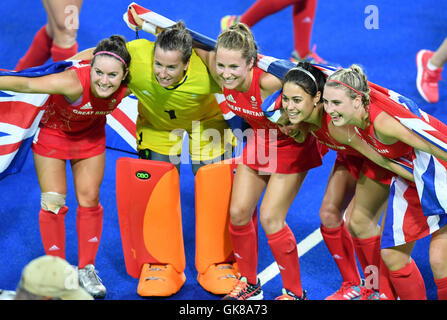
point(19, 118)
point(430, 173)
point(405, 220)
point(20, 114)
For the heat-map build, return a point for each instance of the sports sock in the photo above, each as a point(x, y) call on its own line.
point(441, 284)
point(368, 253)
point(263, 8)
point(339, 243)
point(386, 290)
point(52, 231)
point(285, 252)
point(254, 221)
point(89, 229)
point(244, 243)
point(408, 282)
point(303, 20)
point(39, 51)
point(59, 54)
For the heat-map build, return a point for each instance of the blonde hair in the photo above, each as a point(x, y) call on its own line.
point(239, 37)
point(353, 77)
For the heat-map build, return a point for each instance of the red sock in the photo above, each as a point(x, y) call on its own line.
point(386, 290)
point(441, 284)
point(303, 17)
point(89, 228)
point(39, 51)
point(368, 253)
point(303, 20)
point(52, 231)
point(339, 243)
point(59, 54)
point(263, 8)
point(254, 221)
point(283, 246)
point(408, 282)
point(244, 243)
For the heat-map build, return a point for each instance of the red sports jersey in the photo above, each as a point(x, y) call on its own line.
point(75, 130)
point(350, 158)
point(390, 151)
point(268, 149)
point(324, 137)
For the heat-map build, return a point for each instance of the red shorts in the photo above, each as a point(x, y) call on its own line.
point(356, 165)
point(50, 143)
point(282, 156)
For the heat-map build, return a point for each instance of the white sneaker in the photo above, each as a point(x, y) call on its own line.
point(89, 280)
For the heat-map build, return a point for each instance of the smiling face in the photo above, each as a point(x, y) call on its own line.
point(106, 76)
point(169, 68)
point(297, 103)
point(233, 69)
point(339, 106)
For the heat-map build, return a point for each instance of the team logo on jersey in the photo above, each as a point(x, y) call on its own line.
point(230, 98)
point(86, 106)
point(112, 103)
point(253, 102)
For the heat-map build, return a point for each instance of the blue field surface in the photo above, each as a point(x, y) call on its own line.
point(343, 34)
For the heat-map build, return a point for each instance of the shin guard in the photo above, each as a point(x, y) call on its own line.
point(89, 228)
point(149, 211)
point(285, 252)
point(212, 194)
point(52, 231)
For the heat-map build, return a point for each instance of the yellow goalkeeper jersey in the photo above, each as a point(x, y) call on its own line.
point(165, 113)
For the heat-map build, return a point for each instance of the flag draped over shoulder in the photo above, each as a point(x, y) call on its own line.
point(20, 114)
point(430, 173)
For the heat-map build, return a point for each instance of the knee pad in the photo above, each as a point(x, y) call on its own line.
point(52, 201)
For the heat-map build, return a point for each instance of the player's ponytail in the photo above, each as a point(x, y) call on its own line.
point(354, 82)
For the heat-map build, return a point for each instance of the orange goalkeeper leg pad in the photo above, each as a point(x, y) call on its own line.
point(149, 212)
point(217, 270)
